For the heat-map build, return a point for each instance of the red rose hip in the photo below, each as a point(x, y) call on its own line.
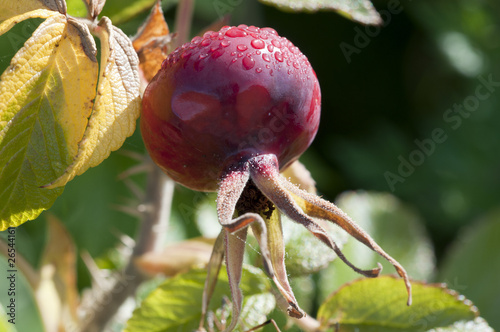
point(227, 97)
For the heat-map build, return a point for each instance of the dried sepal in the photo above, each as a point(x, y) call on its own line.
point(317, 207)
point(213, 268)
point(276, 244)
point(264, 173)
point(235, 250)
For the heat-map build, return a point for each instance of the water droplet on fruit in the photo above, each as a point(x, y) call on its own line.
point(217, 53)
point(253, 28)
point(233, 53)
point(234, 60)
point(266, 57)
point(203, 56)
point(248, 63)
point(278, 56)
point(206, 42)
point(269, 30)
point(258, 70)
point(196, 40)
point(267, 66)
point(270, 48)
point(241, 47)
point(276, 43)
point(257, 43)
point(235, 32)
point(296, 65)
point(243, 26)
point(225, 43)
point(240, 55)
point(258, 52)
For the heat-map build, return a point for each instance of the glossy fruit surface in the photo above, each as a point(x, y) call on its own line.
point(226, 97)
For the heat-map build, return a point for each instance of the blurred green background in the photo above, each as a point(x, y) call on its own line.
point(382, 100)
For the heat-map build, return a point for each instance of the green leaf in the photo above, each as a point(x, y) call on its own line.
point(27, 316)
point(472, 266)
point(176, 304)
point(116, 105)
point(357, 10)
point(379, 304)
point(45, 100)
point(395, 227)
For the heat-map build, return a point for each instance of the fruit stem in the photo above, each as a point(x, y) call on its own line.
point(183, 19)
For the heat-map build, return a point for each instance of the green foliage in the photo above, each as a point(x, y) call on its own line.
point(477, 278)
point(175, 305)
point(378, 305)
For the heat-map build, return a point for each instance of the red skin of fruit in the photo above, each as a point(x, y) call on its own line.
point(226, 97)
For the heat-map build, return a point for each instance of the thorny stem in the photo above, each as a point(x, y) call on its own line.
point(156, 212)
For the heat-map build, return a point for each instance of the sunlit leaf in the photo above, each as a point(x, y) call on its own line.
point(46, 97)
point(176, 304)
point(117, 104)
point(473, 266)
point(357, 10)
point(379, 304)
point(13, 8)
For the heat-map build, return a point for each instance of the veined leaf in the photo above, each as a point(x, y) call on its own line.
point(117, 104)
point(176, 304)
point(46, 97)
point(379, 305)
point(357, 10)
point(13, 8)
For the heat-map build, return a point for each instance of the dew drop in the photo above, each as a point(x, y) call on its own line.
point(270, 48)
point(258, 70)
point(278, 56)
point(296, 65)
point(203, 56)
point(276, 43)
point(225, 43)
point(258, 52)
point(234, 60)
point(269, 30)
point(217, 53)
point(248, 63)
point(235, 32)
point(240, 55)
point(233, 53)
point(196, 40)
point(258, 44)
point(243, 26)
point(266, 57)
point(253, 28)
point(205, 42)
point(241, 47)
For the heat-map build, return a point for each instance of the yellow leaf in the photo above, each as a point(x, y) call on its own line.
point(11, 8)
point(46, 98)
point(117, 104)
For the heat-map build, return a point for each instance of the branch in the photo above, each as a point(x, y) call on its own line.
point(156, 213)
